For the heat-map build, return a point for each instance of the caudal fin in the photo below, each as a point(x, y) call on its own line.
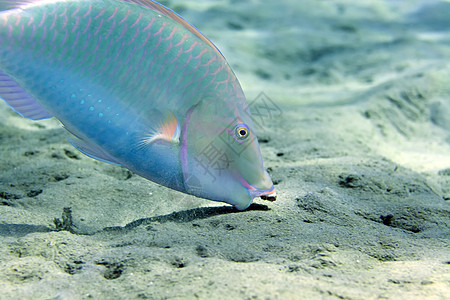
point(11, 91)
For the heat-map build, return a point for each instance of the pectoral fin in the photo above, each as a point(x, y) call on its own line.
point(168, 130)
point(92, 150)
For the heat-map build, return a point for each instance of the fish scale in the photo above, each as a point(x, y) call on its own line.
point(58, 47)
point(118, 75)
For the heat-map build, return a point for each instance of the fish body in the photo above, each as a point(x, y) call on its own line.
point(137, 86)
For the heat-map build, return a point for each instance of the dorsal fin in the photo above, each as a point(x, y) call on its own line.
point(177, 18)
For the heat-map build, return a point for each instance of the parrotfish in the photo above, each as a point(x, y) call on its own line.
point(138, 86)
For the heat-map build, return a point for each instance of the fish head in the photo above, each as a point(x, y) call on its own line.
point(220, 154)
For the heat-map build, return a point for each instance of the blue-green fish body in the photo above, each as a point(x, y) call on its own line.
point(137, 86)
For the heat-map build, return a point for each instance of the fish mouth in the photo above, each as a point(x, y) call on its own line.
point(269, 197)
point(264, 194)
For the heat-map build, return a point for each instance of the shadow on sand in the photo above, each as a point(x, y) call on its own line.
point(184, 216)
point(189, 215)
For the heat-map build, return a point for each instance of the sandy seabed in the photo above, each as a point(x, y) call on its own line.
point(354, 127)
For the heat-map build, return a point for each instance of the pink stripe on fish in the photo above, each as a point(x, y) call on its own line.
point(188, 84)
point(19, 17)
point(75, 26)
point(120, 51)
point(62, 55)
point(43, 19)
point(87, 26)
point(130, 55)
point(245, 183)
point(54, 22)
point(88, 12)
point(160, 29)
point(171, 34)
point(64, 12)
point(145, 41)
point(76, 40)
point(192, 47)
point(30, 21)
point(213, 59)
point(223, 81)
point(44, 35)
point(177, 56)
point(54, 36)
point(157, 45)
point(33, 32)
point(137, 21)
point(65, 38)
point(5, 20)
point(65, 21)
point(115, 71)
point(204, 75)
point(87, 42)
point(167, 50)
point(125, 75)
point(84, 57)
point(100, 14)
point(210, 82)
point(21, 32)
point(185, 36)
point(111, 29)
point(134, 36)
point(10, 31)
point(75, 12)
point(111, 42)
point(196, 67)
point(220, 68)
point(122, 33)
point(126, 17)
point(157, 75)
point(144, 55)
point(98, 43)
point(149, 68)
point(112, 16)
point(149, 25)
point(105, 65)
point(187, 62)
point(170, 78)
point(99, 27)
point(201, 53)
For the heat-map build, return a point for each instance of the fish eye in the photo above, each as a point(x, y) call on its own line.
point(241, 131)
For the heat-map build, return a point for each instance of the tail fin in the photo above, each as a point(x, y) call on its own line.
point(20, 100)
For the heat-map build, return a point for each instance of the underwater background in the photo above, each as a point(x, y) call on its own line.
point(351, 100)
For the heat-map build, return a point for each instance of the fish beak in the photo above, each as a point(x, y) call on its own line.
point(268, 194)
point(270, 197)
